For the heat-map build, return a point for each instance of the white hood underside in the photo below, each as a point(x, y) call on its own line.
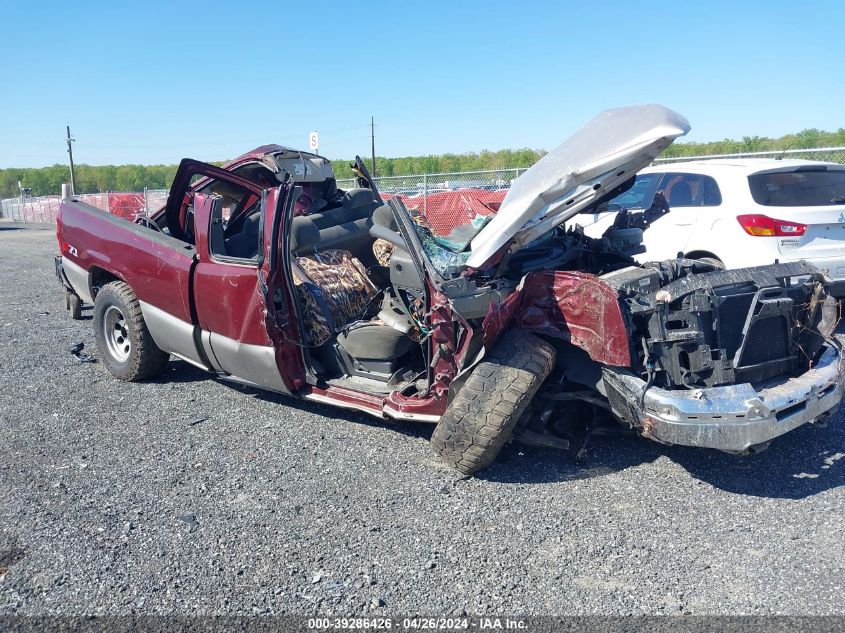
point(606, 152)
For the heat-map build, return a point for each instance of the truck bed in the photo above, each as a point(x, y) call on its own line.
point(155, 265)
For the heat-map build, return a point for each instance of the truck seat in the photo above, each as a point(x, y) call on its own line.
point(375, 340)
point(334, 291)
point(245, 243)
point(346, 227)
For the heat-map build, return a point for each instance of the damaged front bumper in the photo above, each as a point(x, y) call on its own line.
point(732, 418)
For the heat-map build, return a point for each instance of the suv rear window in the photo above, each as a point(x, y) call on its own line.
point(800, 188)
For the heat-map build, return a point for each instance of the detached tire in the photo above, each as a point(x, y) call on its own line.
point(126, 347)
point(481, 418)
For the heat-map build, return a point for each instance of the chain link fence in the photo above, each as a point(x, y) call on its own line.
point(497, 179)
point(425, 184)
point(825, 154)
point(130, 205)
point(154, 199)
point(446, 199)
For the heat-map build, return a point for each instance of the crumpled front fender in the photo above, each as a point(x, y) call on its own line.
point(579, 308)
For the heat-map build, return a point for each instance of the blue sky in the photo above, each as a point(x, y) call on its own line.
point(152, 82)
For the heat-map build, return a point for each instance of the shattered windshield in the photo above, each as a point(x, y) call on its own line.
point(446, 223)
point(462, 235)
point(445, 252)
point(445, 261)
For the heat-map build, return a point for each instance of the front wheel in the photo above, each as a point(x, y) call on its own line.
point(126, 347)
point(481, 417)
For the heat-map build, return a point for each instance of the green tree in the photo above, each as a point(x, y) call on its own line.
point(92, 179)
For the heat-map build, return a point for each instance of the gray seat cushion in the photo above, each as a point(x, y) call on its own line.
point(339, 228)
point(375, 341)
point(245, 243)
point(357, 198)
point(304, 236)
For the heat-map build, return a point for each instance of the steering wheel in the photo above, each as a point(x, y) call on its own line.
point(149, 223)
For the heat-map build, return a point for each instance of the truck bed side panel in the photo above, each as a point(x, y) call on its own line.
point(156, 266)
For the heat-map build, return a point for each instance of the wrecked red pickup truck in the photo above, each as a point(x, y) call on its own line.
point(264, 273)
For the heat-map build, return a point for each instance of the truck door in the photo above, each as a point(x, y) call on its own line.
point(229, 303)
point(236, 227)
point(222, 214)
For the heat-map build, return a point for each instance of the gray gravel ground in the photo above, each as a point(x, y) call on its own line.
point(111, 501)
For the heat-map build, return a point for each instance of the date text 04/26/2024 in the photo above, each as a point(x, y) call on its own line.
point(418, 624)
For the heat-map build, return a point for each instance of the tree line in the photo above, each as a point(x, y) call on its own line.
point(805, 139)
point(89, 178)
point(94, 179)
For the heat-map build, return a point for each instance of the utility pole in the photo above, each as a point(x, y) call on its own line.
point(373, 143)
point(70, 155)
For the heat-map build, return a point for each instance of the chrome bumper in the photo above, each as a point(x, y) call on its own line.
point(731, 418)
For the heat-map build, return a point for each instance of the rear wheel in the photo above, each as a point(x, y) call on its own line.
point(126, 347)
point(482, 416)
point(74, 304)
point(713, 261)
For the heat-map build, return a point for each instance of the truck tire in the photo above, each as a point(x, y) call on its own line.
point(126, 347)
point(482, 416)
point(74, 304)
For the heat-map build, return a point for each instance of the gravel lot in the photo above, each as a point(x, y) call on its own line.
point(113, 501)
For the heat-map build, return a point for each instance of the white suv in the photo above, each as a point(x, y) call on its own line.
point(740, 212)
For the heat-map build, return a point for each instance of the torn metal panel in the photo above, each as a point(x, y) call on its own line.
point(579, 308)
point(499, 317)
point(276, 291)
point(423, 409)
point(443, 365)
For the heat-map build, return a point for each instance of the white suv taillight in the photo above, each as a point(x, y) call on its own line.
point(764, 226)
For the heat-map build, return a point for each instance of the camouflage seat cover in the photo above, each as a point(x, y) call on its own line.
point(334, 290)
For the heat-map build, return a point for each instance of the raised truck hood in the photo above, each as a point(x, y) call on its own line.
point(603, 154)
